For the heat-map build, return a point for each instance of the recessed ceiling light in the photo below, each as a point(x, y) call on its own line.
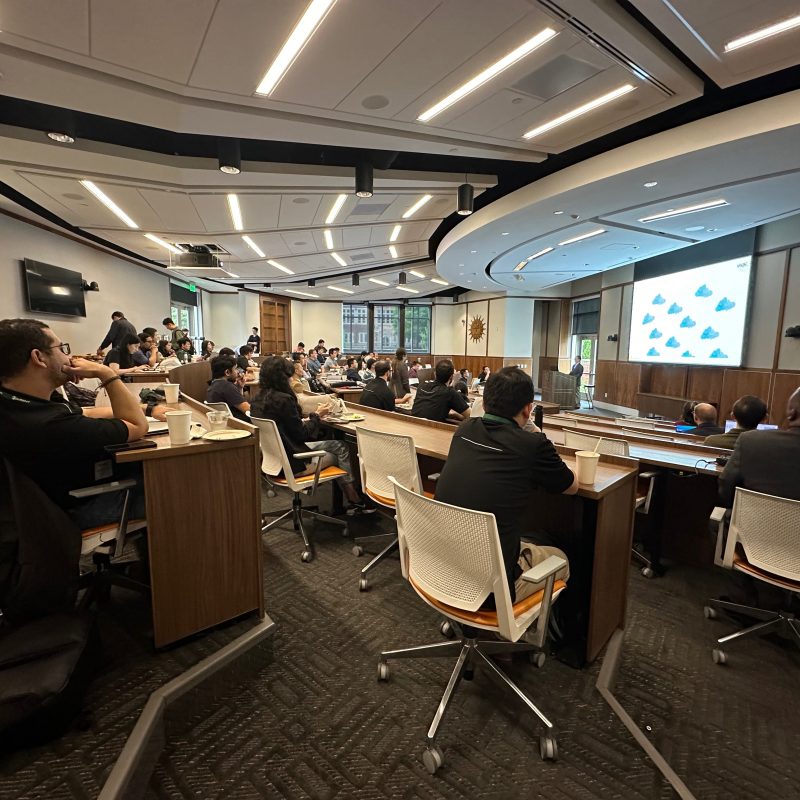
point(61, 138)
point(417, 206)
point(415, 273)
point(712, 230)
point(407, 289)
point(580, 111)
point(328, 239)
point(302, 294)
point(302, 32)
point(392, 251)
point(338, 259)
point(171, 247)
point(280, 267)
point(582, 237)
point(763, 33)
point(676, 212)
point(504, 233)
point(109, 203)
point(341, 289)
point(335, 209)
point(439, 281)
point(254, 247)
point(558, 213)
point(650, 184)
point(378, 281)
point(486, 75)
point(473, 251)
point(693, 228)
point(523, 264)
point(395, 233)
point(236, 212)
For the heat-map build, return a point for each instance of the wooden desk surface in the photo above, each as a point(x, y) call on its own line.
point(148, 376)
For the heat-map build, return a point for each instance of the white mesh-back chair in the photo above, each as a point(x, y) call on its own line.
point(379, 456)
point(277, 474)
point(584, 441)
point(219, 407)
point(762, 541)
point(453, 561)
point(635, 423)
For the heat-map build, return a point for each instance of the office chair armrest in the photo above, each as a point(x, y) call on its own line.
point(648, 475)
point(309, 454)
point(548, 567)
point(103, 488)
point(718, 514)
point(435, 476)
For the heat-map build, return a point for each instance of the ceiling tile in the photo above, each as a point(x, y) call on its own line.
point(298, 210)
point(64, 24)
point(175, 210)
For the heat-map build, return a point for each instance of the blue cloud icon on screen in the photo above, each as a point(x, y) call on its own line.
point(673, 342)
point(647, 318)
point(703, 291)
point(725, 304)
point(709, 333)
point(658, 300)
point(656, 334)
point(688, 322)
point(717, 354)
point(675, 309)
point(653, 352)
point(686, 354)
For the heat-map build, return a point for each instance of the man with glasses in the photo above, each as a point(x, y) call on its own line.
point(58, 445)
point(147, 353)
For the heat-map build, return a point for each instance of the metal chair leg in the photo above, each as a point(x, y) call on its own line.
point(794, 626)
point(325, 518)
point(438, 650)
point(760, 626)
point(739, 608)
point(275, 521)
point(378, 558)
point(455, 679)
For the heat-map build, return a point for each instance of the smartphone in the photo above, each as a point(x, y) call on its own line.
point(538, 417)
point(139, 444)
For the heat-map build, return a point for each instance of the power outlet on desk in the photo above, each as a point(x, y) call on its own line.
point(605, 394)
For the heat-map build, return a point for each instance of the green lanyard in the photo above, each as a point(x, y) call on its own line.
point(501, 420)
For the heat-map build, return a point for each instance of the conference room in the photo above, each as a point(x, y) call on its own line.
point(399, 399)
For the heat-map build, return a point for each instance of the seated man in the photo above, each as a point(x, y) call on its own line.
point(437, 400)
point(494, 465)
point(749, 412)
point(705, 420)
point(352, 370)
point(377, 393)
point(245, 357)
point(312, 363)
point(147, 354)
point(184, 351)
point(53, 442)
point(226, 387)
point(332, 361)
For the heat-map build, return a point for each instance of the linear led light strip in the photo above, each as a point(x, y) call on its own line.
point(490, 72)
point(439, 281)
point(378, 281)
point(236, 212)
point(677, 212)
point(254, 247)
point(328, 239)
point(280, 267)
point(109, 203)
point(583, 236)
point(339, 260)
point(298, 38)
point(341, 289)
point(579, 111)
point(406, 289)
point(395, 233)
point(417, 206)
point(335, 209)
point(524, 263)
point(392, 251)
point(171, 247)
point(763, 33)
point(415, 273)
point(302, 294)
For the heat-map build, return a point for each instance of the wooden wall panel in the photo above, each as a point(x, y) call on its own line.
point(605, 385)
point(737, 382)
point(783, 387)
point(473, 363)
point(546, 363)
point(627, 379)
point(668, 379)
point(705, 383)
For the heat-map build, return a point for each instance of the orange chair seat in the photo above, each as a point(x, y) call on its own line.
point(328, 472)
point(94, 537)
point(488, 617)
point(740, 562)
point(388, 501)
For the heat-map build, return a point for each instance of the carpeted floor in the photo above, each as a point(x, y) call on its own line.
point(303, 715)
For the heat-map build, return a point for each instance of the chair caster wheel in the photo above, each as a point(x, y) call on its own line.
point(710, 613)
point(537, 658)
point(433, 759)
point(446, 629)
point(383, 671)
point(306, 556)
point(270, 493)
point(548, 747)
point(468, 674)
point(719, 656)
point(358, 550)
point(648, 572)
point(363, 584)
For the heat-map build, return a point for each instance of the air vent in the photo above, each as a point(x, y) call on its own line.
point(369, 210)
point(556, 76)
point(362, 257)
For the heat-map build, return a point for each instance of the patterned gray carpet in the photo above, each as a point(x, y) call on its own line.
point(303, 715)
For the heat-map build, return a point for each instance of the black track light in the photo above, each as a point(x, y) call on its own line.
point(401, 279)
point(312, 282)
point(230, 158)
point(355, 279)
point(364, 179)
point(466, 195)
point(267, 285)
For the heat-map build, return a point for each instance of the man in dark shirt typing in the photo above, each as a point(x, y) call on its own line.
point(224, 389)
point(57, 445)
point(437, 400)
point(377, 393)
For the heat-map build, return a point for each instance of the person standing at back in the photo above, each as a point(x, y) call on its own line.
point(400, 384)
point(577, 373)
point(175, 333)
point(748, 411)
point(254, 340)
point(120, 327)
point(437, 400)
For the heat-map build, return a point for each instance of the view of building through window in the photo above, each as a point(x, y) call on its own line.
point(383, 328)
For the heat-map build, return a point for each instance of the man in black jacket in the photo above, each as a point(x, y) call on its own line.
point(377, 393)
point(120, 328)
point(705, 420)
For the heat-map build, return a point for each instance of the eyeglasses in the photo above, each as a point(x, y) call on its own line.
point(63, 347)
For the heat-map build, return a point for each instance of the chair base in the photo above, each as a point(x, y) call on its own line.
point(470, 653)
point(358, 550)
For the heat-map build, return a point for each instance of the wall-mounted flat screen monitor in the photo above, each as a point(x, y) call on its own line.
point(53, 290)
point(697, 316)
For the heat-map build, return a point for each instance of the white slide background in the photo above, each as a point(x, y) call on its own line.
point(697, 316)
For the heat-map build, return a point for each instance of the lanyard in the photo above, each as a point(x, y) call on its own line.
point(501, 420)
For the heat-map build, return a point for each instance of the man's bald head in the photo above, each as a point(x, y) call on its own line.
point(793, 409)
point(704, 413)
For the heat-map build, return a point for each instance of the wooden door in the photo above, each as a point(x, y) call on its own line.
point(276, 320)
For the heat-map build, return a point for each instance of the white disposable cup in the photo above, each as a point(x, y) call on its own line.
point(172, 392)
point(179, 426)
point(586, 463)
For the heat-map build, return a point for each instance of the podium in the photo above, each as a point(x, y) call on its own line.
point(560, 388)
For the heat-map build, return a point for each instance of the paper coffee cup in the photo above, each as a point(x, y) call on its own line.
point(586, 463)
point(179, 425)
point(172, 392)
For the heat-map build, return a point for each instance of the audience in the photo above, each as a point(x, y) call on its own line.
point(436, 399)
point(332, 361)
point(147, 355)
point(277, 402)
point(748, 411)
point(312, 363)
point(687, 416)
point(121, 359)
point(485, 373)
point(175, 333)
point(377, 393)
point(207, 350)
point(184, 351)
point(461, 383)
point(244, 359)
point(705, 420)
point(301, 348)
point(119, 327)
point(298, 381)
point(352, 370)
point(400, 384)
point(416, 365)
point(321, 346)
point(226, 387)
point(367, 374)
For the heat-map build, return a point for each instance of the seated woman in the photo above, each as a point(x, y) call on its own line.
point(207, 350)
point(368, 373)
point(120, 359)
point(168, 358)
point(277, 401)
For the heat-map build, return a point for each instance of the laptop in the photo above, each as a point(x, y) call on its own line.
point(731, 423)
point(155, 426)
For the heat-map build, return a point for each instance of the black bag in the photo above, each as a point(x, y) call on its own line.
point(85, 398)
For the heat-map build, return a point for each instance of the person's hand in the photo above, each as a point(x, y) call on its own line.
point(323, 410)
point(159, 413)
point(241, 379)
point(99, 351)
point(82, 368)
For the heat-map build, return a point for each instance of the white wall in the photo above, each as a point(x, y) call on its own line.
point(317, 321)
point(448, 332)
point(140, 293)
point(229, 316)
point(519, 323)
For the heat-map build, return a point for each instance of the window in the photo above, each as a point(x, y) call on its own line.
point(417, 329)
point(355, 327)
point(586, 316)
point(386, 328)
